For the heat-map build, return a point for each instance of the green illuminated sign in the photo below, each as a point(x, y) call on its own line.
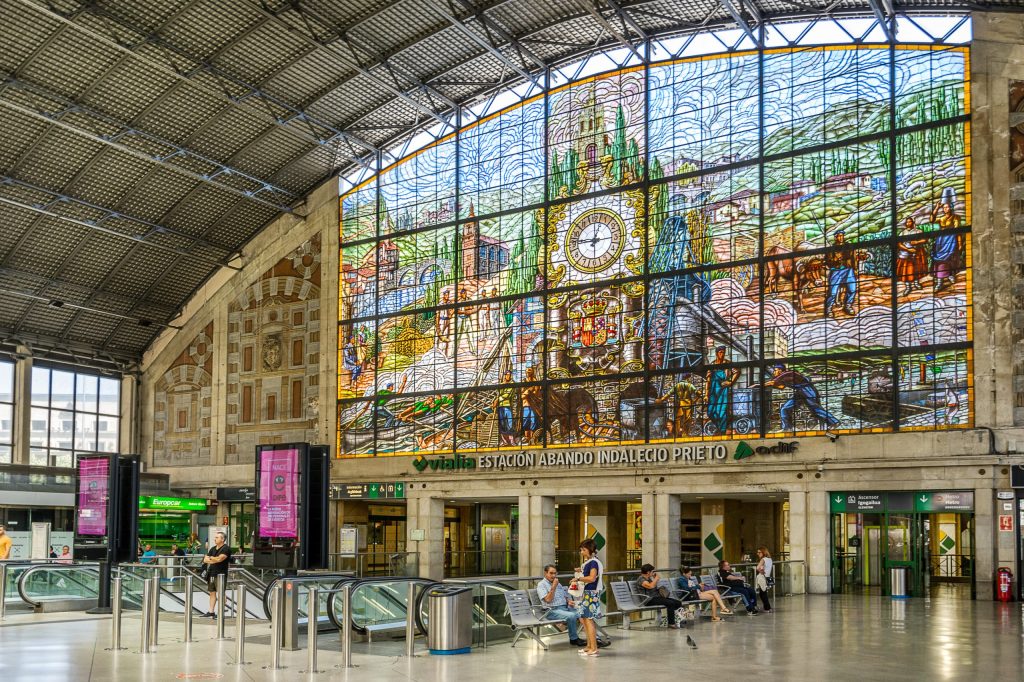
point(172, 503)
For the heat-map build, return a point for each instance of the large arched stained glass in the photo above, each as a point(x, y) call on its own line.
point(749, 244)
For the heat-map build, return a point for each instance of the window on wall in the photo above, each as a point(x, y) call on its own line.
point(753, 244)
point(6, 411)
point(72, 412)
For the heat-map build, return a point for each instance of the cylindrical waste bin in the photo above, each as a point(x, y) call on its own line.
point(898, 582)
point(450, 619)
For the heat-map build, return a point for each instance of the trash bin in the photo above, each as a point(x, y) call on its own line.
point(450, 619)
point(898, 578)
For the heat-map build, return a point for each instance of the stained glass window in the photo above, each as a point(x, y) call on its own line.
point(749, 244)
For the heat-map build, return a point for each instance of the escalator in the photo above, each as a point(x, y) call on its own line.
point(42, 584)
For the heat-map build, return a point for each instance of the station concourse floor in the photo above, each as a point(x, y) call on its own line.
point(806, 638)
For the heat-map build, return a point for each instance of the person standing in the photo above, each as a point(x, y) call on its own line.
point(647, 585)
point(5, 544)
point(350, 361)
point(763, 575)
point(65, 555)
point(216, 561)
point(589, 605)
point(505, 403)
point(911, 257)
point(843, 273)
point(554, 598)
point(946, 248)
point(148, 556)
point(718, 385)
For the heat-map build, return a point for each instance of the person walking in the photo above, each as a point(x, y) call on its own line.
point(589, 604)
point(763, 576)
point(216, 562)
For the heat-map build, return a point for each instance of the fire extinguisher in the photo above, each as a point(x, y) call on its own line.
point(1005, 584)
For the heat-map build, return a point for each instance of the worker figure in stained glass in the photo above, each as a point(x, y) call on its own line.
point(843, 266)
point(803, 392)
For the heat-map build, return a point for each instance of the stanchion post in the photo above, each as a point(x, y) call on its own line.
point(154, 611)
point(147, 604)
point(115, 615)
point(222, 585)
point(484, 621)
point(3, 591)
point(240, 624)
point(410, 620)
point(346, 625)
point(312, 620)
point(276, 618)
point(188, 608)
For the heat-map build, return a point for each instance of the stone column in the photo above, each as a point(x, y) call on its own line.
point(797, 540)
point(536, 534)
point(649, 531)
point(22, 426)
point(425, 518)
point(615, 554)
point(819, 553)
point(666, 531)
point(128, 433)
point(985, 528)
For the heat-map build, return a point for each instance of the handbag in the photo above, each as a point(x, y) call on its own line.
point(204, 571)
point(663, 591)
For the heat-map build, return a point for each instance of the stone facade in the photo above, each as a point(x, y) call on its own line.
point(182, 406)
point(273, 372)
point(974, 459)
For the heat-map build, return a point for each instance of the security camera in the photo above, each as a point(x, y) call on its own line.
point(833, 437)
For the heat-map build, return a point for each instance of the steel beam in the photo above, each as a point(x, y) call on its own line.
point(285, 116)
point(626, 18)
point(612, 31)
point(883, 11)
point(317, 43)
point(735, 13)
point(43, 346)
point(448, 15)
point(121, 130)
point(55, 199)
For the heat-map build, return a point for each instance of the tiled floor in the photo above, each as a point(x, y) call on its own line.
point(807, 638)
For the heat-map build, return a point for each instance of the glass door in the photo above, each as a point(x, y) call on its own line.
point(902, 537)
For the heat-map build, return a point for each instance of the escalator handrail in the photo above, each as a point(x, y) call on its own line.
point(309, 577)
point(359, 582)
point(53, 567)
point(492, 582)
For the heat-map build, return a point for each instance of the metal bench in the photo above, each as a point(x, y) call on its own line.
point(535, 600)
point(527, 619)
point(628, 601)
point(724, 590)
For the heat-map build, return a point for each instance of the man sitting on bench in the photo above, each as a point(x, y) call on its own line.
point(647, 585)
point(735, 583)
point(555, 598)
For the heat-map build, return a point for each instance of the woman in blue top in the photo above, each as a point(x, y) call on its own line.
point(589, 605)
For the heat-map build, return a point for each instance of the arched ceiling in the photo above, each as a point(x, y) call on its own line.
point(145, 143)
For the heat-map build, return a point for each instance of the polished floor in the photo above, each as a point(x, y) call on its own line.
point(806, 638)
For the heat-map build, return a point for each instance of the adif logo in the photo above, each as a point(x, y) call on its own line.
point(743, 451)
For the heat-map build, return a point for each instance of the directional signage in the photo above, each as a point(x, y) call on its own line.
point(874, 502)
point(857, 502)
point(173, 503)
point(368, 491)
point(944, 501)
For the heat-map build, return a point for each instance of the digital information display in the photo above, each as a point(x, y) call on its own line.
point(279, 493)
point(93, 496)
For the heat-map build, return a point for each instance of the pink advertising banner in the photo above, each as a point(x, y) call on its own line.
point(279, 498)
point(93, 493)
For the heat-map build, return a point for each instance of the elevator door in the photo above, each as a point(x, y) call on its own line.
point(495, 548)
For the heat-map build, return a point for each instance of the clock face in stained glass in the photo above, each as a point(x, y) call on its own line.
point(595, 240)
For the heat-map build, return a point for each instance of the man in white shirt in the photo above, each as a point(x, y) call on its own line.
point(554, 597)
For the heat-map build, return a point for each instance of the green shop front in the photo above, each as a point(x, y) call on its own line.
point(928, 533)
point(164, 521)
